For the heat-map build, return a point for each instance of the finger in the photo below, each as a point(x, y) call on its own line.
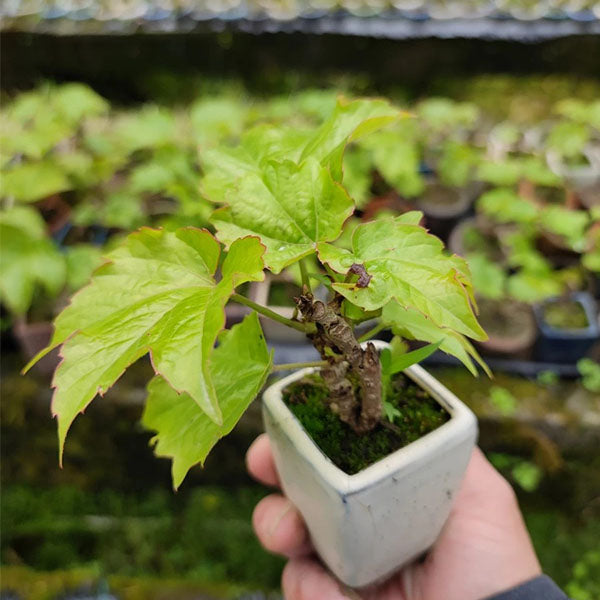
point(280, 528)
point(259, 461)
point(306, 579)
point(482, 480)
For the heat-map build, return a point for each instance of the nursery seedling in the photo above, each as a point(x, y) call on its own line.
point(163, 293)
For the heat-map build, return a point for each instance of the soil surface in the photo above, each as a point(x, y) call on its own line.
point(352, 452)
point(504, 318)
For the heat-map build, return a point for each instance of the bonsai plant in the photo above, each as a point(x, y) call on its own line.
point(396, 435)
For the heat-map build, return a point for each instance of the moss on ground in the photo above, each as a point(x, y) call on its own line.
point(351, 452)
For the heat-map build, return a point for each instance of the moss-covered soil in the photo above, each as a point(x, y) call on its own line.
point(351, 452)
point(566, 314)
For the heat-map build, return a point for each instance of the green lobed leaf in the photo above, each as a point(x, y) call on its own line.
point(75, 101)
point(27, 259)
point(81, 261)
point(568, 223)
point(224, 166)
point(214, 119)
point(505, 172)
point(457, 163)
point(413, 325)
point(397, 157)
point(156, 294)
point(357, 175)
point(291, 208)
point(408, 265)
point(441, 114)
point(350, 121)
point(283, 185)
point(29, 182)
point(534, 286)
point(150, 127)
point(580, 111)
point(489, 278)
point(239, 367)
point(568, 138)
point(521, 250)
point(506, 206)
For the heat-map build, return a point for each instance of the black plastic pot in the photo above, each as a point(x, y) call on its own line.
point(567, 345)
point(442, 216)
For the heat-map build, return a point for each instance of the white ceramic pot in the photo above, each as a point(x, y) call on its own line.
point(368, 525)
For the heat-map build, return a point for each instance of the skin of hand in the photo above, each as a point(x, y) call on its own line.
point(483, 549)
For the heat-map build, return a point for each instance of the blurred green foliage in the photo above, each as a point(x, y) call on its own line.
point(207, 536)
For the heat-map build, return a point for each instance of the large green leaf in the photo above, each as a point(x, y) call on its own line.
point(224, 166)
point(350, 121)
point(407, 264)
point(291, 207)
point(238, 366)
point(413, 325)
point(27, 258)
point(283, 185)
point(156, 294)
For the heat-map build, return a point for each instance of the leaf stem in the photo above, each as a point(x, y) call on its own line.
point(267, 312)
point(371, 333)
point(305, 277)
point(335, 278)
point(298, 365)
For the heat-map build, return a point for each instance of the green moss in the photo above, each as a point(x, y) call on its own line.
point(565, 314)
point(351, 452)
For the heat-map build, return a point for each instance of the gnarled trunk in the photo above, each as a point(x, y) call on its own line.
point(354, 374)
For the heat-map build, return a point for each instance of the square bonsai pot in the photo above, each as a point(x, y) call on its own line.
point(368, 525)
point(567, 345)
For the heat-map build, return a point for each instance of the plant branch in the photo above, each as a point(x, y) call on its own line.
point(305, 277)
point(298, 365)
point(267, 312)
point(371, 333)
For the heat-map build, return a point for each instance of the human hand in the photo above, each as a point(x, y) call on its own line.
point(483, 549)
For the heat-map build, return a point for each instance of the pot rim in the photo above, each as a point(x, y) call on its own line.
point(584, 299)
point(460, 426)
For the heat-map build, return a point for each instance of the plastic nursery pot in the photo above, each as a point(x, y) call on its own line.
point(579, 176)
point(368, 525)
point(566, 344)
point(33, 337)
point(589, 196)
point(470, 236)
point(443, 206)
point(510, 326)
